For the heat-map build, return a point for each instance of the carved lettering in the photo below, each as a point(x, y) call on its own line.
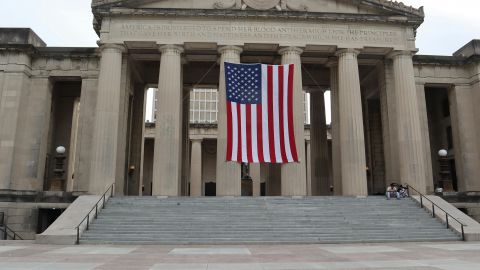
point(259, 33)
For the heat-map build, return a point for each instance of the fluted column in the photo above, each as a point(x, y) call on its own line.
point(294, 174)
point(352, 141)
point(255, 173)
point(319, 145)
point(422, 109)
point(168, 128)
point(196, 168)
point(228, 173)
point(412, 153)
point(107, 120)
point(336, 160)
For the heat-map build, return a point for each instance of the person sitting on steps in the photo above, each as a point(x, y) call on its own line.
point(392, 190)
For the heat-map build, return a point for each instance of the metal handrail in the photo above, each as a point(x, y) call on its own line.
point(5, 229)
point(434, 205)
point(87, 217)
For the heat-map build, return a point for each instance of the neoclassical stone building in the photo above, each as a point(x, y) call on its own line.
point(392, 110)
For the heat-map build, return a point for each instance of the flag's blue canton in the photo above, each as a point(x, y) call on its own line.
point(244, 83)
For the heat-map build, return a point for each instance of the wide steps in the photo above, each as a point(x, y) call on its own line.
point(264, 220)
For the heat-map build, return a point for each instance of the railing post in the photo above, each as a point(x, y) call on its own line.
point(88, 220)
point(421, 201)
point(446, 218)
point(463, 233)
point(96, 211)
point(78, 235)
point(433, 210)
point(103, 206)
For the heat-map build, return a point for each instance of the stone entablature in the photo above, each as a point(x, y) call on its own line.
point(226, 32)
point(323, 14)
point(66, 62)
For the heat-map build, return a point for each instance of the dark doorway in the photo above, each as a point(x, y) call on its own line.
point(46, 217)
point(210, 189)
point(247, 187)
point(263, 189)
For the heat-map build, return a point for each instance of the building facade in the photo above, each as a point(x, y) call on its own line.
point(392, 110)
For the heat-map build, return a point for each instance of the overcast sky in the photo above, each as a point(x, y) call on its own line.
point(449, 24)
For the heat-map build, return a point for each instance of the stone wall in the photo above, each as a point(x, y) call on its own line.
point(23, 217)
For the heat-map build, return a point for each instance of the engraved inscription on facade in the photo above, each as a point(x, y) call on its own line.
point(260, 33)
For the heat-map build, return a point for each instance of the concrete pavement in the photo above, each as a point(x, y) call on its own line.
point(22, 255)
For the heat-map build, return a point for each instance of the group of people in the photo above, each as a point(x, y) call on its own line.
point(396, 190)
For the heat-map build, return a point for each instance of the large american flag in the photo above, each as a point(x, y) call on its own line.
point(260, 113)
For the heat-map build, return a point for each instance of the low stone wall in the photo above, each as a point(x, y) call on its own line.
point(471, 228)
point(22, 217)
point(468, 202)
point(63, 231)
point(471, 209)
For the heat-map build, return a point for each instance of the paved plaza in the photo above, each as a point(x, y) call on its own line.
point(446, 256)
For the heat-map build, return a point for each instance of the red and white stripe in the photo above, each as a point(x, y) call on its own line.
point(264, 133)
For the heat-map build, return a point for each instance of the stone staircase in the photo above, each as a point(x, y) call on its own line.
point(264, 220)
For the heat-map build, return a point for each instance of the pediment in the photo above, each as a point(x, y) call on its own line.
point(373, 7)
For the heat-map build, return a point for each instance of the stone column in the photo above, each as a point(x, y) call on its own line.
point(389, 122)
point(352, 141)
point(422, 108)
point(467, 155)
point(319, 145)
point(168, 128)
point(412, 154)
point(308, 158)
point(294, 179)
point(106, 123)
point(336, 160)
point(228, 173)
point(255, 173)
point(88, 103)
point(15, 71)
point(196, 168)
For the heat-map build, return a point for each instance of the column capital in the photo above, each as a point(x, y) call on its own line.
point(230, 48)
point(290, 50)
point(420, 83)
point(170, 48)
point(396, 54)
point(332, 62)
point(315, 89)
point(196, 140)
point(353, 51)
point(89, 77)
point(118, 47)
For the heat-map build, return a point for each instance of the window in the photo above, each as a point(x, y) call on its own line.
point(203, 106)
